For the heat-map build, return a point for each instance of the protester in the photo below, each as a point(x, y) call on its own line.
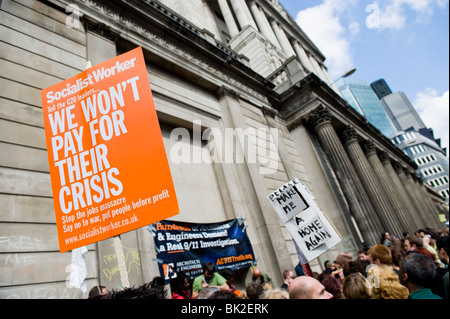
point(299, 269)
point(305, 287)
point(429, 237)
point(219, 294)
point(288, 276)
point(145, 292)
point(260, 277)
point(228, 274)
point(209, 278)
point(180, 287)
point(442, 245)
point(363, 255)
point(385, 282)
point(97, 291)
point(206, 292)
point(417, 273)
point(333, 286)
point(386, 239)
point(254, 290)
point(356, 286)
point(355, 266)
point(277, 293)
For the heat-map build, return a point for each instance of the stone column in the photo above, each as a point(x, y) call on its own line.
point(240, 13)
point(282, 38)
point(401, 194)
point(249, 14)
point(399, 211)
point(372, 185)
point(270, 34)
point(303, 56)
point(228, 16)
point(412, 196)
point(426, 197)
point(358, 201)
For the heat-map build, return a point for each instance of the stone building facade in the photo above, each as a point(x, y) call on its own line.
point(213, 64)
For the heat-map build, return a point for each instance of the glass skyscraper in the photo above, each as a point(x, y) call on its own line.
point(360, 95)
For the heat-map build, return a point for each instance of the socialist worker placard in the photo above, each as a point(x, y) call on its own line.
point(108, 166)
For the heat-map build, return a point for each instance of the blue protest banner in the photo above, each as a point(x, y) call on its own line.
point(186, 247)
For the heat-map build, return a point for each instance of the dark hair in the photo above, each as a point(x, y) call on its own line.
point(143, 292)
point(254, 290)
point(209, 267)
point(96, 291)
point(333, 286)
point(177, 284)
point(443, 243)
point(352, 267)
point(226, 273)
point(397, 257)
point(158, 283)
point(223, 295)
point(419, 268)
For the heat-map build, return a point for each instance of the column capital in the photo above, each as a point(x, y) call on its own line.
point(227, 92)
point(349, 135)
point(319, 116)
point(369, 148)
point(385, 158)
point(399, 168)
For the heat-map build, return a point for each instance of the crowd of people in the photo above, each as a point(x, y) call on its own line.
point(414, 267)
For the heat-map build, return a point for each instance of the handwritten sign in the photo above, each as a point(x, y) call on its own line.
point(313, 234)
point(108, 166)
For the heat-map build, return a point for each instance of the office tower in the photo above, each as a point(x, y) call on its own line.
point(381, 88)
point(362, 98)
point(401, 112)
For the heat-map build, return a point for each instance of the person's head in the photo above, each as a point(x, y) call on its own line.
point(227, 273)
point(144, 292)
point(380, 254)
point(305, 287)
point(385, 235)
point(180, 283)
point(256, 273)
point(397, 257)
point(443, 249)
point(97, 291)
point(354, 266)
point(205, 293)
point(356, 286)
point(254, 290)
point(276, 294)
point(157, 283)
point(208, 270)
point(223, 295)
point(288, 276)
point(333, 286)
point(431, 233)
point(362, 255)
point(412, 242)
point(343, 258)
point(417, 270)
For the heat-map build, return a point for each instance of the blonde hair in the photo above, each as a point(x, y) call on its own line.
point(276, 294)
point(382, 253)
point(356, 286)
point(385, 283)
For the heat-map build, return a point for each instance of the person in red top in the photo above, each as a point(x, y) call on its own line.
point(180, 287)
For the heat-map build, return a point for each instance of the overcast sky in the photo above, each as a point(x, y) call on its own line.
point(406, 42)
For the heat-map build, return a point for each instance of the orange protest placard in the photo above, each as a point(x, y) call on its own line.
point(108, 166)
